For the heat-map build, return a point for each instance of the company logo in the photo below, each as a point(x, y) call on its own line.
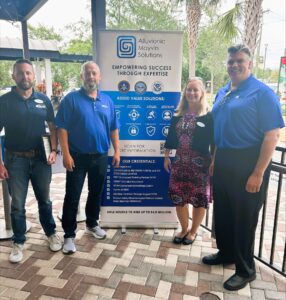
point(126, 46)
point(165, 130)
point(157, 87)
point(40, 105)
point(150, 130)
point(140, 87)
point(123, 86)
point(167, 115)
point(134, 115)
point(133, 130)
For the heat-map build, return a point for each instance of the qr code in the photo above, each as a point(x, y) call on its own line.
point(162, 147)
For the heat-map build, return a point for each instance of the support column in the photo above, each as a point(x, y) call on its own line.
point(98, 17)
point(38, 71)
point(48, 74)
point(26, 52)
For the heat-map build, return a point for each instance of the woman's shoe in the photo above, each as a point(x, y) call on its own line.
point(179, 240)
point(187, 241)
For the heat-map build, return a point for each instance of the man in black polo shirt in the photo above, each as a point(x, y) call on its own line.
point(23, 113)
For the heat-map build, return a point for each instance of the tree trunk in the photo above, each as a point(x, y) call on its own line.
point(193, 9)
point(212, 83)
point(192, 62)
point(253, 17)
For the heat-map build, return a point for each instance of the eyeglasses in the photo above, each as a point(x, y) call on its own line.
point(224, 99)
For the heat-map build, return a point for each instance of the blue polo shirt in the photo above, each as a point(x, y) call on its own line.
point(242, 116)
point(24, 120)
point(87, 121)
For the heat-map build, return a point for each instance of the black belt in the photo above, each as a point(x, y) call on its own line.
point(88, 153)
point(27, 154)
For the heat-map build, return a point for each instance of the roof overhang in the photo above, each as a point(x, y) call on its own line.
point(19, 10)
point(8, 54)
point(12, 49)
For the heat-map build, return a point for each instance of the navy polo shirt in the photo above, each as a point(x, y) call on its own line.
point(24, 120)
point(87, 121)
point(242, 116)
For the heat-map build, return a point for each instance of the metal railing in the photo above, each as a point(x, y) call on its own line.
point(271, 229)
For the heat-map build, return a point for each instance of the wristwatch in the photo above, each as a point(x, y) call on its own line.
point(55, 150)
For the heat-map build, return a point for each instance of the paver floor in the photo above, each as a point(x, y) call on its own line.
point(136, 265)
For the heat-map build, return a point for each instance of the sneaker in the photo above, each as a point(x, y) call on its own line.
point(16, 253)
point(55, 243)
point(97, 232)
point(69, 246)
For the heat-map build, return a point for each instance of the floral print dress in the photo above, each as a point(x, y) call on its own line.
point(189, 180)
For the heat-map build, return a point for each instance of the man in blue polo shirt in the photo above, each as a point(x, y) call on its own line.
point(247, 120)
point(23, 113)
point(86, 122)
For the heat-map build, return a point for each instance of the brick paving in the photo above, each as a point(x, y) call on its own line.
point(136, 265)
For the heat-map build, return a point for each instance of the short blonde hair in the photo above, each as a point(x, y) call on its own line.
point(183, 106)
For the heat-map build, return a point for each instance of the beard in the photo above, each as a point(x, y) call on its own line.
point(90, 87)
point(24, 85)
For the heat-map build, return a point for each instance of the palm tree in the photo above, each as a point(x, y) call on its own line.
point(252, 22)
point(251, 12)
point(194, 13)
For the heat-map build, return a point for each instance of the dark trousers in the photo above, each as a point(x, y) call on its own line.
point(236, 210)
point(95, 166)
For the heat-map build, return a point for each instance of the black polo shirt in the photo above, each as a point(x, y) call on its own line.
point(24, 120)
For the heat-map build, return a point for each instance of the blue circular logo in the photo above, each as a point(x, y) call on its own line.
point(123, 86)
point(140, 87)
point(165, 130)
point(151, 115)
point(167, 115)
point(157, 87)
point(133, 130)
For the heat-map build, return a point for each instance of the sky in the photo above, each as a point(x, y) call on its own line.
point(54, 13)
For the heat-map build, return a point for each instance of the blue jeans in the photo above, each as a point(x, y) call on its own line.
point(95, 166)
point(21, 170)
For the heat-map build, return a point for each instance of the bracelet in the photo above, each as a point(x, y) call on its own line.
point(55, 150)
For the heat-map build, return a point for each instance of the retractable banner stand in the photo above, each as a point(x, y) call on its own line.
point(141, 72)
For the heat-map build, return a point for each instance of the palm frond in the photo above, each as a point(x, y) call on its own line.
point(227, 23)
point(210, 2)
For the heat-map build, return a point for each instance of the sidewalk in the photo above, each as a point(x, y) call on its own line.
point(137, 265)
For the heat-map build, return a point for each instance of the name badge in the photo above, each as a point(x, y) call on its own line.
point(200, 124)
point(39, 101)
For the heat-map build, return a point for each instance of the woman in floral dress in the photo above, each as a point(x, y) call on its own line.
point(191, 134)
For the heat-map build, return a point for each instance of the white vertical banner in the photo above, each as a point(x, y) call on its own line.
point(141, 72)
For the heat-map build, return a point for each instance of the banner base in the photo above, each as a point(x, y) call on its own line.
point(132, 225)
point(138, 217)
